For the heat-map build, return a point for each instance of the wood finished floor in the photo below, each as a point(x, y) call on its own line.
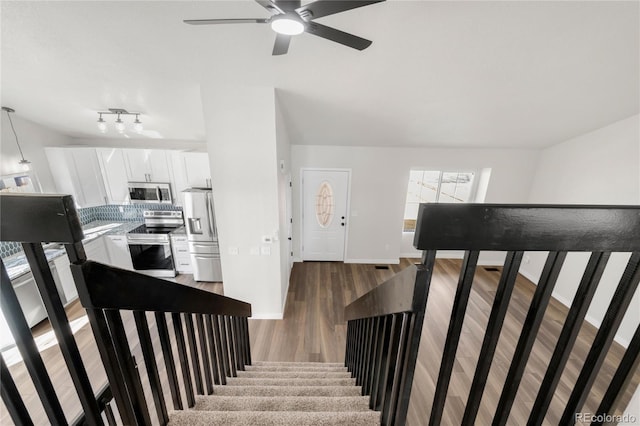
point(313, 329)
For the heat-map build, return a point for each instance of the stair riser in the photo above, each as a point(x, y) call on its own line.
point(280, 403)
point(296, 369)
point(288, 391)
point(297, 364)
point(239, 381)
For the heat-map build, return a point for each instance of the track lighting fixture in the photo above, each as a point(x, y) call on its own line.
point(120, 125)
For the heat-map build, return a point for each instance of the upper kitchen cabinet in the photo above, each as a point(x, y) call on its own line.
point(191, 169)
point(197, 170)
point(147, 165)
point(114, 174)
point(76, 171)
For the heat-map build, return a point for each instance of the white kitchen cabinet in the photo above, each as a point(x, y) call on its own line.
point(197, 170)
point(181, 257)
point(147, 165)
point(114, 174)
point(96, 250)
point(66, 278)
point(76, 171)
point(118, 250)
point(190, 169)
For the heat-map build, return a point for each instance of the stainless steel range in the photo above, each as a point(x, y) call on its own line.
point(150, 245)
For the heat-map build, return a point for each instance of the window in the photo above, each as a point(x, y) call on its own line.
point(431, 186)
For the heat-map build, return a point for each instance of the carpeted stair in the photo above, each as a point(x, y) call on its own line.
point(283, 394)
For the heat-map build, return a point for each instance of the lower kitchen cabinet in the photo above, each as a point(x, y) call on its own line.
point(118, 250)
point(67, 284)
point(182, 259)
point(96, 250)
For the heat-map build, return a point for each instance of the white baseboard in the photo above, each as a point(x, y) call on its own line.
point(374, 261)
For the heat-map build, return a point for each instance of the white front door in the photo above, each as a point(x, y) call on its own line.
point(325, 196)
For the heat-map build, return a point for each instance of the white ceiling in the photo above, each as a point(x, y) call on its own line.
point(457, 74)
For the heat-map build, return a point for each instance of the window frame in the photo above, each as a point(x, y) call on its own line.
point(472, 192)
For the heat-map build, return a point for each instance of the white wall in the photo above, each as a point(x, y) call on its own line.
point(241, 139)
point(601, 167)
point(379, 186)
point(33, 138)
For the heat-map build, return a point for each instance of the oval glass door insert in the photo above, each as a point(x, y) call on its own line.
point(324, 204)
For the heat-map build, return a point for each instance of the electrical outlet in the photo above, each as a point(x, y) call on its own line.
point(526, 259)
point(254, 251)
point(234, 251)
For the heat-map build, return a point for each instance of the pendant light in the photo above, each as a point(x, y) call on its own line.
point(23, 162)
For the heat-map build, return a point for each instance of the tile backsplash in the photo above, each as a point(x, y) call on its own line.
point(117, 213)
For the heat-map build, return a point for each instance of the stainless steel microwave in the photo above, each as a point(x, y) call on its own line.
point(150, 193)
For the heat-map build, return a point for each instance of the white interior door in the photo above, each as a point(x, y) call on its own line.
point(324, 213)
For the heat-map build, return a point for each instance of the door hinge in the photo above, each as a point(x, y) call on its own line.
point(291, 220)
point(290, 184)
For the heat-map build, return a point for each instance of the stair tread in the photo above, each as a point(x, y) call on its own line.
point(298, 363)
point(288, 390)
point(295, 374)
point(282, 403)
point(294, 368)
point(271, 418)
point(241, 381)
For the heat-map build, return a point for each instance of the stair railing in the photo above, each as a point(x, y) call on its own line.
point(384, 325)
point(210, 332)
point(32, 220)
point(383, 335)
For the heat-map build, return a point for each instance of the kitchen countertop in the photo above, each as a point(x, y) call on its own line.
point(17, 264)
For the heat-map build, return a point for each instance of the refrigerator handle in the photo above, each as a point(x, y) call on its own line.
point(209, 214)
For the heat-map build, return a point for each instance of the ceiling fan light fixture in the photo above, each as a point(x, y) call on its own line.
point(287, 24)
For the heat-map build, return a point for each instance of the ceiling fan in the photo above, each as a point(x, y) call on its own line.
point(289, 18)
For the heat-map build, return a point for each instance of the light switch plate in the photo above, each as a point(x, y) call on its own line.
point(265, 250)
point(254, 251)
point(234, 251)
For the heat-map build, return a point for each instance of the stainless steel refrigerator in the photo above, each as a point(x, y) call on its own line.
point(202, 234)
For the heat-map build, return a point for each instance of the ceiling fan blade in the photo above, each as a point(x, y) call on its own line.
point(338, 36)
point(281, 45)
point(287, 5)
point(225, 21)
point(270, 6)
point(321, 8)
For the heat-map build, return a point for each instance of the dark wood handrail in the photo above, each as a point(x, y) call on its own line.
point(396, 295)
point(23, 219)
point(527, 227)
point(115, 288)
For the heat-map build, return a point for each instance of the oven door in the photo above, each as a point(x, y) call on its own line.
point(152, 257)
